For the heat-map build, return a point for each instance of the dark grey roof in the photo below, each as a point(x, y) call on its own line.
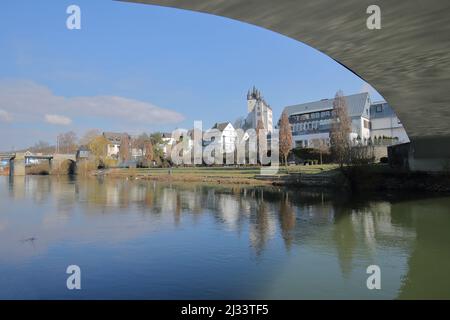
point(221, 126)
point(355, 102)
point(386, 111)
point(83, 148)
point(114, 137)
point(166, 135)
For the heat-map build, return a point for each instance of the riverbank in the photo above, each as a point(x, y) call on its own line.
point(355, 178)
point(220, 175)
point(383, 178)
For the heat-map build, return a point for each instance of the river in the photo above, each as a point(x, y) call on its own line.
point(150, 240)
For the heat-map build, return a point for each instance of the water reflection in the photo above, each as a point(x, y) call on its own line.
point(303, 244)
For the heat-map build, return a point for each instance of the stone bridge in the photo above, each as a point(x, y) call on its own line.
point(19, 160)
point(407, 61)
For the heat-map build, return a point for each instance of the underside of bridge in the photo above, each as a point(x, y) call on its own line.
point(407, 61)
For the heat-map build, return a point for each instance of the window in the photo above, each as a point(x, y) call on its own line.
point(366, 124)
point(379, 108)
point(315, 115)
point(325, 114)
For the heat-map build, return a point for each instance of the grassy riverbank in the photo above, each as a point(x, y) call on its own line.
point(229, 175)
point(376, 177)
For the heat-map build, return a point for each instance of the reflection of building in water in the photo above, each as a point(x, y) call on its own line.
point(229, 210)
point(262, 227)
point(361, 231)
point(113, 194)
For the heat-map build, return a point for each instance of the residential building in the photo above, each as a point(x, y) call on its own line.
point(228, 137)
point(83, 153)
point(385, 125)
point(137, 154)
point(311, 122)
point(168, 142)
point(114, 142)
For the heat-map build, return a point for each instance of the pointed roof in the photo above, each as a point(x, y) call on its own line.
point(221, 125)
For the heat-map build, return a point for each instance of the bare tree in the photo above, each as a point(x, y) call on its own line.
point(285, 137)
point(149, 154)
point(42, 147)
point(340, 130)
point(124, 151)
point(67, 142)
point(89, 136)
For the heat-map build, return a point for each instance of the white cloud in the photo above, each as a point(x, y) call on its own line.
point(26, 100)
point(5, 116)
point(56, 119)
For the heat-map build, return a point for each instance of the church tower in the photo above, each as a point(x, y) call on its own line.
point(252, 97)
point(258, 109)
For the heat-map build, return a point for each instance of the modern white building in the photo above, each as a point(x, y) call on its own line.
point(386, 124)
point(311, 122)
point(258, 110)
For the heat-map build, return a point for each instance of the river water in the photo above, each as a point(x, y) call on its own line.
point(149, 240)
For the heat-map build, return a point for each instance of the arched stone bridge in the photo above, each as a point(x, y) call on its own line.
point(19, 160)
point(407, 60)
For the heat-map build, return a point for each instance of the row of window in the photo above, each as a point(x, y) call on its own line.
point(313, 125)
point(313, 115)
point(314, 143)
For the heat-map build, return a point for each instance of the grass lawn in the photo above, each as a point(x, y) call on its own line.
point(243, 172)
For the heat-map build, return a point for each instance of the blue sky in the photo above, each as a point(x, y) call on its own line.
point(127, 58)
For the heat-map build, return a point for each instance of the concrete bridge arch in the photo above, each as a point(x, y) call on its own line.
point(407, 60)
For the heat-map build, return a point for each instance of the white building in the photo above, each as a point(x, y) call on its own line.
point(386, 124)
point(167, 144)
point(114, 141)
point(258, 110)
point(228, 136)
point(311, 122)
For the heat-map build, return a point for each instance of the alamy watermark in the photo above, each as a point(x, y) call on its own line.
point(227, 147)
point(74, 280)
point(374, 280)
point(73, 21)
point(374, 20)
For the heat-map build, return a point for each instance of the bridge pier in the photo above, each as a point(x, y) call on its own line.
point(17, 165)
point(430, 154)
